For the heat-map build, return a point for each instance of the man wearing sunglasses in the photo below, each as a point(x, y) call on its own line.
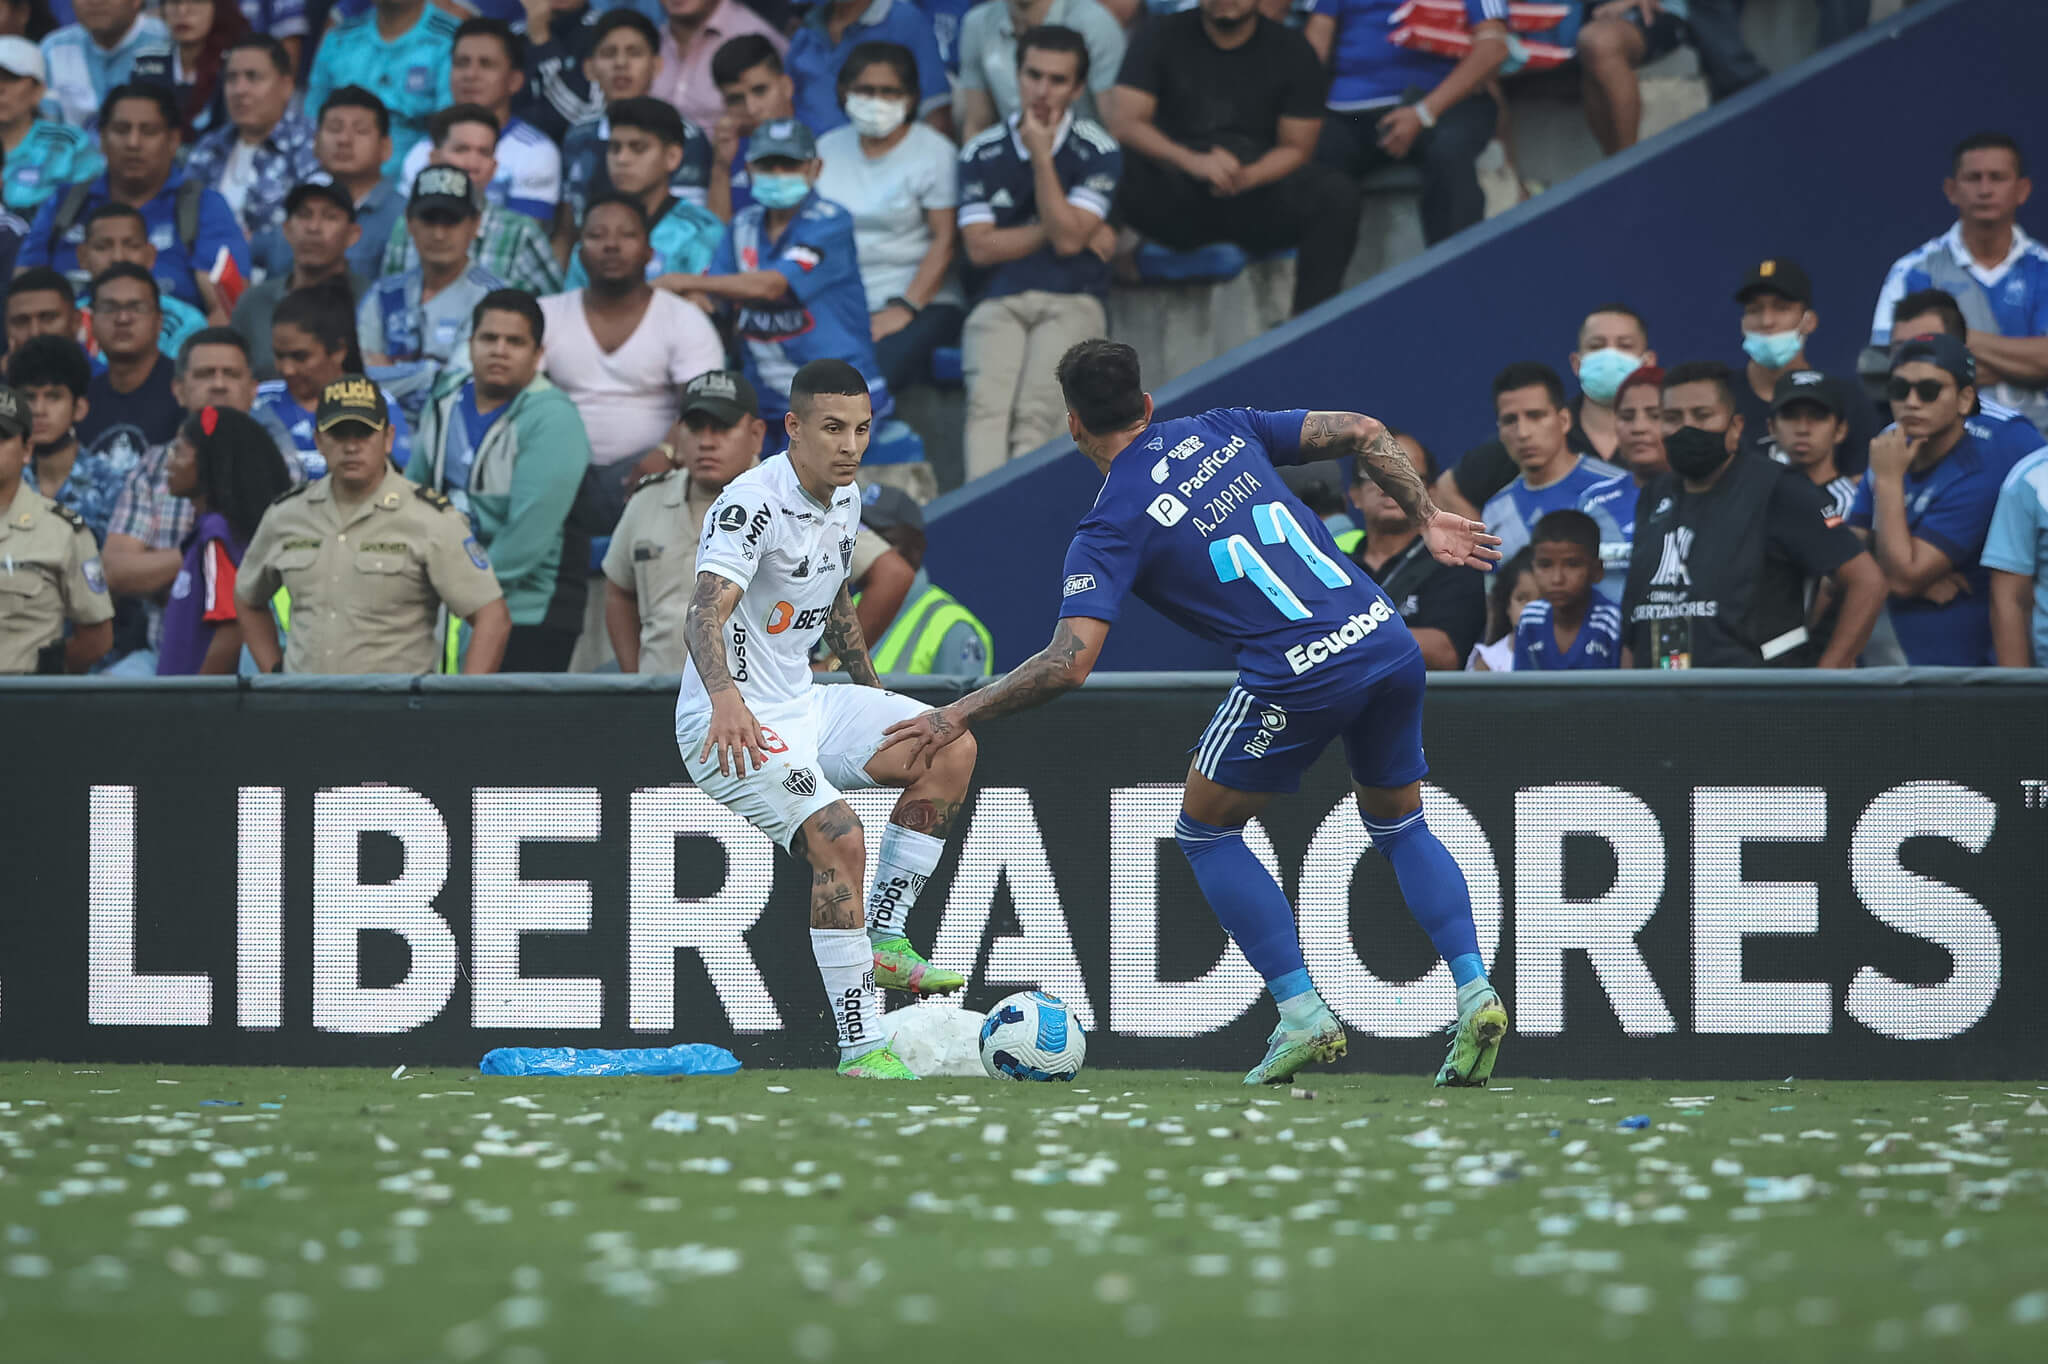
point(1926, 505)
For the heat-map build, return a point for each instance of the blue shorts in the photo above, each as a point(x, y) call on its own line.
point(1255, 745)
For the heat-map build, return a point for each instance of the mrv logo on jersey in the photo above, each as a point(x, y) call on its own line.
point(1302, 657)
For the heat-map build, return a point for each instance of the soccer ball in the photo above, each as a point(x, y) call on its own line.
point(1032, 1036)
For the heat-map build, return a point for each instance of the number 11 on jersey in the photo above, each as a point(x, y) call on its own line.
point(1234, 557)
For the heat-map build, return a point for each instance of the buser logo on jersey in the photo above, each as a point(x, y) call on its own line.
point(1302, 657)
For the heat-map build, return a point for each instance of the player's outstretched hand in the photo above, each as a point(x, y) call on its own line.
point(926, 733)
point(1461, 543)
point(736, 735)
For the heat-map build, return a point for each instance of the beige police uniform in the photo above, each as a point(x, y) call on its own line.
point(367, 581)
point(49, 573)
point(653, 555)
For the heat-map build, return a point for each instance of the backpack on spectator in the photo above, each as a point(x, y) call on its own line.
point(72, 206)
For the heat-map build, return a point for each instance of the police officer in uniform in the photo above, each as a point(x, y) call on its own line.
point(1725, 545)
point(49, 568)
point(368, 558)
point(933, 632)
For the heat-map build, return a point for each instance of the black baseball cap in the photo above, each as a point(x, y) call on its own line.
point(13, 413)
point(351, 398)
point(319, 189)
point(1944, 351)
point(443, 187)
point(1782, 277)
point(882, 507)
point(1807, 386)
point(724, 395)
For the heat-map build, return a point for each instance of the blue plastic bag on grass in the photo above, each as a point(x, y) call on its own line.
point(685, 1058)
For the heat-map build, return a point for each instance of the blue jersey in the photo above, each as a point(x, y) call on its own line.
point(684, 240)
point(2018, 540)
point(825, 312)
point(1512, 513)
point(998, 187)
point(50, 157)
point(275, 400)
point(1612, 505)
point(584, 176)
point(1598, 644)
point(1194, 521)
point(218, 248)
point(410, 73)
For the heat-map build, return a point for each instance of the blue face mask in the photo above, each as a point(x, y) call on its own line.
point(779, 191)
point(1773, 350)
point(1601, 373)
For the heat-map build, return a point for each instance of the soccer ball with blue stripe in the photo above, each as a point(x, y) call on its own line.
point(1032, 1036)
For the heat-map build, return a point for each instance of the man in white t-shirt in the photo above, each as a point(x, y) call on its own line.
point(760, 739)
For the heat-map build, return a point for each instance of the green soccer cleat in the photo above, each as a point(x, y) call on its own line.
point(880, 1064)
point(1289, 1049)
point(899, 967)
point(1475, 1044)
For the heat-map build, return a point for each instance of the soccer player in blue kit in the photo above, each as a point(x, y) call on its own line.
point(1194, 522)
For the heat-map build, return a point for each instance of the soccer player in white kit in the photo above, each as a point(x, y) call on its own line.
point(760, 739)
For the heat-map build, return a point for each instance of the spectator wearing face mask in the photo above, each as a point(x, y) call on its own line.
point(897, 177)
point(1726, 544)
point(1777, 321)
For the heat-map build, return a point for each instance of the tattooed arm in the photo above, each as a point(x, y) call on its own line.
point(1451, 538)
point(844, 637)
point(734, 732)
point(1053, 671)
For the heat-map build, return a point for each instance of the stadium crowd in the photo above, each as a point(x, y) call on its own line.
point(412, 335)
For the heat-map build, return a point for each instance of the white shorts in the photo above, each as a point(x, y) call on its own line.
point(818, 746)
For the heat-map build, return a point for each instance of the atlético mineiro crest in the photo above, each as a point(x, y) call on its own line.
point(801, 782)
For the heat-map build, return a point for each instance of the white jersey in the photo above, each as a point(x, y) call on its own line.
point(791, 555)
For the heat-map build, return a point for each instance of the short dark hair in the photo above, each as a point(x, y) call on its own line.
point(612, 20)
point(50, 362)
point(1529, 374)
point(123, 269)
point(649, 115)
point(620, 199)
point(1567, 526)
point(446, 121)
point(1619, 310)
point(160, 95)
point(1988, 142)
point(1102, 385)
point(41, 279)
point(326, 312)
point(1938, 301)
point(356, 97)
point(210, 336)
point(512, 301)
point(109, 211)
point(895, 56)
point(482, 26)
point(280, 56)
point(1703, 372)
point(737, 56)
point(1056, 38)
point(824, 379)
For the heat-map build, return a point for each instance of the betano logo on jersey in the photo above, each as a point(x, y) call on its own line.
point(784, 616)
point(1302, 657)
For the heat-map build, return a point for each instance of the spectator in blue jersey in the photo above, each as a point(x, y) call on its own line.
point(900, 180)
point(1569, 627)
point(508, 243)
point(89, 59)
point(988, 55)
point(756, 90)
point(41, 302)
point(1390, 104)
point(2016, 553)
point(284, 20)
point(648, 142)
point(401, 51)
point(413, 325)
point(115, 233)
point(353, 141)
point(1925, 506)
point(1443, 605)
point(42, 155)
point(1041, 267)
point(622, 66)
point(488, 69)
point(312, 342)
point(1639, 427)
point(201, 33)
point(559, 93)
point(319, 226)
point(828, 34)
point(1996, 273)
point(789, 271)
point(1932, 312)
point(266, 146)
point(1778, 319)
point(1217, 111)
point(1534, 423)
point(202, 257)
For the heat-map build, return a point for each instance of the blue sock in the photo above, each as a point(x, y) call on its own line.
point(1247, 901)
point(1434, 887)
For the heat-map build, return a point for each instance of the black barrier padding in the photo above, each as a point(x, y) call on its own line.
point(1906, 809)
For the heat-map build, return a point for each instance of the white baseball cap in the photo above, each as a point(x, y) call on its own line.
point(23, 58)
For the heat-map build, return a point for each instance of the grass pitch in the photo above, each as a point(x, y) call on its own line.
point(348, 1215)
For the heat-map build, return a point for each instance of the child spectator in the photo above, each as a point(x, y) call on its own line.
point(1566, 627)
point(697, 30)
point(1513, 588)
point(621, 67)
point(224, 463)
point(649, 141)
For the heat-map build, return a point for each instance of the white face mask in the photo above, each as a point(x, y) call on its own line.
point(875, 117)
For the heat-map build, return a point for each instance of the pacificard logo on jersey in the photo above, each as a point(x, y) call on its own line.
point(1302, 657)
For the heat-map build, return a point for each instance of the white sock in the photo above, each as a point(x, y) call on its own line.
point(906, 861)
point(847, 962)
point(1299, 1010)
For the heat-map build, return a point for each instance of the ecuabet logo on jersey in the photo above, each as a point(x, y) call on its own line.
point(1167, 509)
point(1078, 582)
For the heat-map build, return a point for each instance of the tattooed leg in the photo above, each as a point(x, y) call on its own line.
point(830, 841)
